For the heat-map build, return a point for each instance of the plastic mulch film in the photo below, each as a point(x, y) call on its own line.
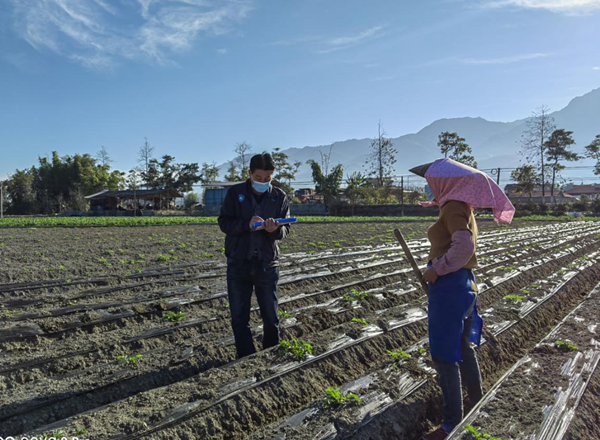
point(578, 370)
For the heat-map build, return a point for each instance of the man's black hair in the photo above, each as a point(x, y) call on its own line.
point(262, 161)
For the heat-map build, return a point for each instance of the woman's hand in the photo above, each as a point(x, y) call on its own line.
point(430, 275)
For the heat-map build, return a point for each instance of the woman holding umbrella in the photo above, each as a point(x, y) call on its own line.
point(454, 323)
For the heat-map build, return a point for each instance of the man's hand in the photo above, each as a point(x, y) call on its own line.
point(430, 275)
point(271, 225)
point(255, 219)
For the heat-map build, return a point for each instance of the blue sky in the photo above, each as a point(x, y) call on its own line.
point(198, 76)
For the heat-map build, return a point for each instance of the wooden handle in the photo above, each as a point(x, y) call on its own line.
point(411, 260)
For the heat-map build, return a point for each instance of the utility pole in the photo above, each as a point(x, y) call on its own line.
point(1, 199)
point(402, 194)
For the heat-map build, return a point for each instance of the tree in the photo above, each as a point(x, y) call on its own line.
point(327, 185)
point(526, 178)
point(168, 174)
point(242, 149)
point(451, 144)
point(557, 149)
point(232, 175)
point(382, 158)
point(190, 200)
point(21, 192)
point(103, 157)
point(593, 152)
point(533, 141)
point(355, 182)
point(285, 172)
point(209, 173)
point(145, 155)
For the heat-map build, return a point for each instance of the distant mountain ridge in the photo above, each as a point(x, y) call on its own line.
point(494, 144)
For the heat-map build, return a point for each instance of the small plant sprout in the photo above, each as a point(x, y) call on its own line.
point(515, 298)
point(507, 268)
point(565, 346)
point(399, 355)
point(175, 317)
point(284, 314)
point(132, 360)
point(422, 350)
point(296, 349)
point(336, 398)
point(360, 321)
point(479, 435)
point(80, 431)
point(355, 295)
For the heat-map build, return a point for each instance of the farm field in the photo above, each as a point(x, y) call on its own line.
point(124, 333)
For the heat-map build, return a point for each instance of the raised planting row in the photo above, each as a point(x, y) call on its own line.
point(349, 338)
point(195, 319)
point(542, 393)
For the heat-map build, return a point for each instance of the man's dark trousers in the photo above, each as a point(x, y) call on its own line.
point(241, 280)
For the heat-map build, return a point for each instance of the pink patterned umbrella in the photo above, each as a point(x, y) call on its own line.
point(452, 180)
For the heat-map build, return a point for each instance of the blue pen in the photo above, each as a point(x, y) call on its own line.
point(281, 221)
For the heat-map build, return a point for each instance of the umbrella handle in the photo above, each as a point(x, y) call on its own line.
point(411, 260)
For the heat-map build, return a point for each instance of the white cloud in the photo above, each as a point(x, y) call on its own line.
point(504, 60)
point(570, 7)
point(338, 43)
point(97, 33)
point(595, 68)
point(222, 51)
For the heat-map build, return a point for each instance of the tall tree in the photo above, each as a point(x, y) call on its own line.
point(533, 141)
point(557, 150)
point(382, 158)
point(145, 155)
point(526, 178)
point(328, 185)
point(242, 150)
point(103, 157)
point(20, 188)
point(209, 173)
point(451, 144)
point(168, 174)
point(593, 152)
point(232, 173)
point(285, 171)
point(354, 184)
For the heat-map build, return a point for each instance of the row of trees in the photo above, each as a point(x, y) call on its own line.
point(546, 149)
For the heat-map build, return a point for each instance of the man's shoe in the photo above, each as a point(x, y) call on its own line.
point(438, 434)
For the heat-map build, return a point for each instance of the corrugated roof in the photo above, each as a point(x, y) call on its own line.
point(138, 194)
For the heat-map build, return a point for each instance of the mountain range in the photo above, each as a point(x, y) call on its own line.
point(494, 144)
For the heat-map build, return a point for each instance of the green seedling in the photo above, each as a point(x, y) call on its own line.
point(507, 268)
point(175, 316)
point(336, 398)
point(355, 295)
point(163, 257)
point(360, 321)
point(81, 431)
point(298, 350)
point(11, 312)
point(422, 350)
point(283, 314)
point(55, 435)
point(480, 435)
point(515, 298)
point(565, 346)
point(399, 355)
point(132, 360)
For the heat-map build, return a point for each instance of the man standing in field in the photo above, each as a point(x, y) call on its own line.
point(253, 253)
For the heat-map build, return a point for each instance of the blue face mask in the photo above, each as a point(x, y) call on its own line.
point(261, 187)
point(429, 193)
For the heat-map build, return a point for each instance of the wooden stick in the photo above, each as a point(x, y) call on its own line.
point(411, 260)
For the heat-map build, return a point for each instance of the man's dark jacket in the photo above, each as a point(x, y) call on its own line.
point(234, 220)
